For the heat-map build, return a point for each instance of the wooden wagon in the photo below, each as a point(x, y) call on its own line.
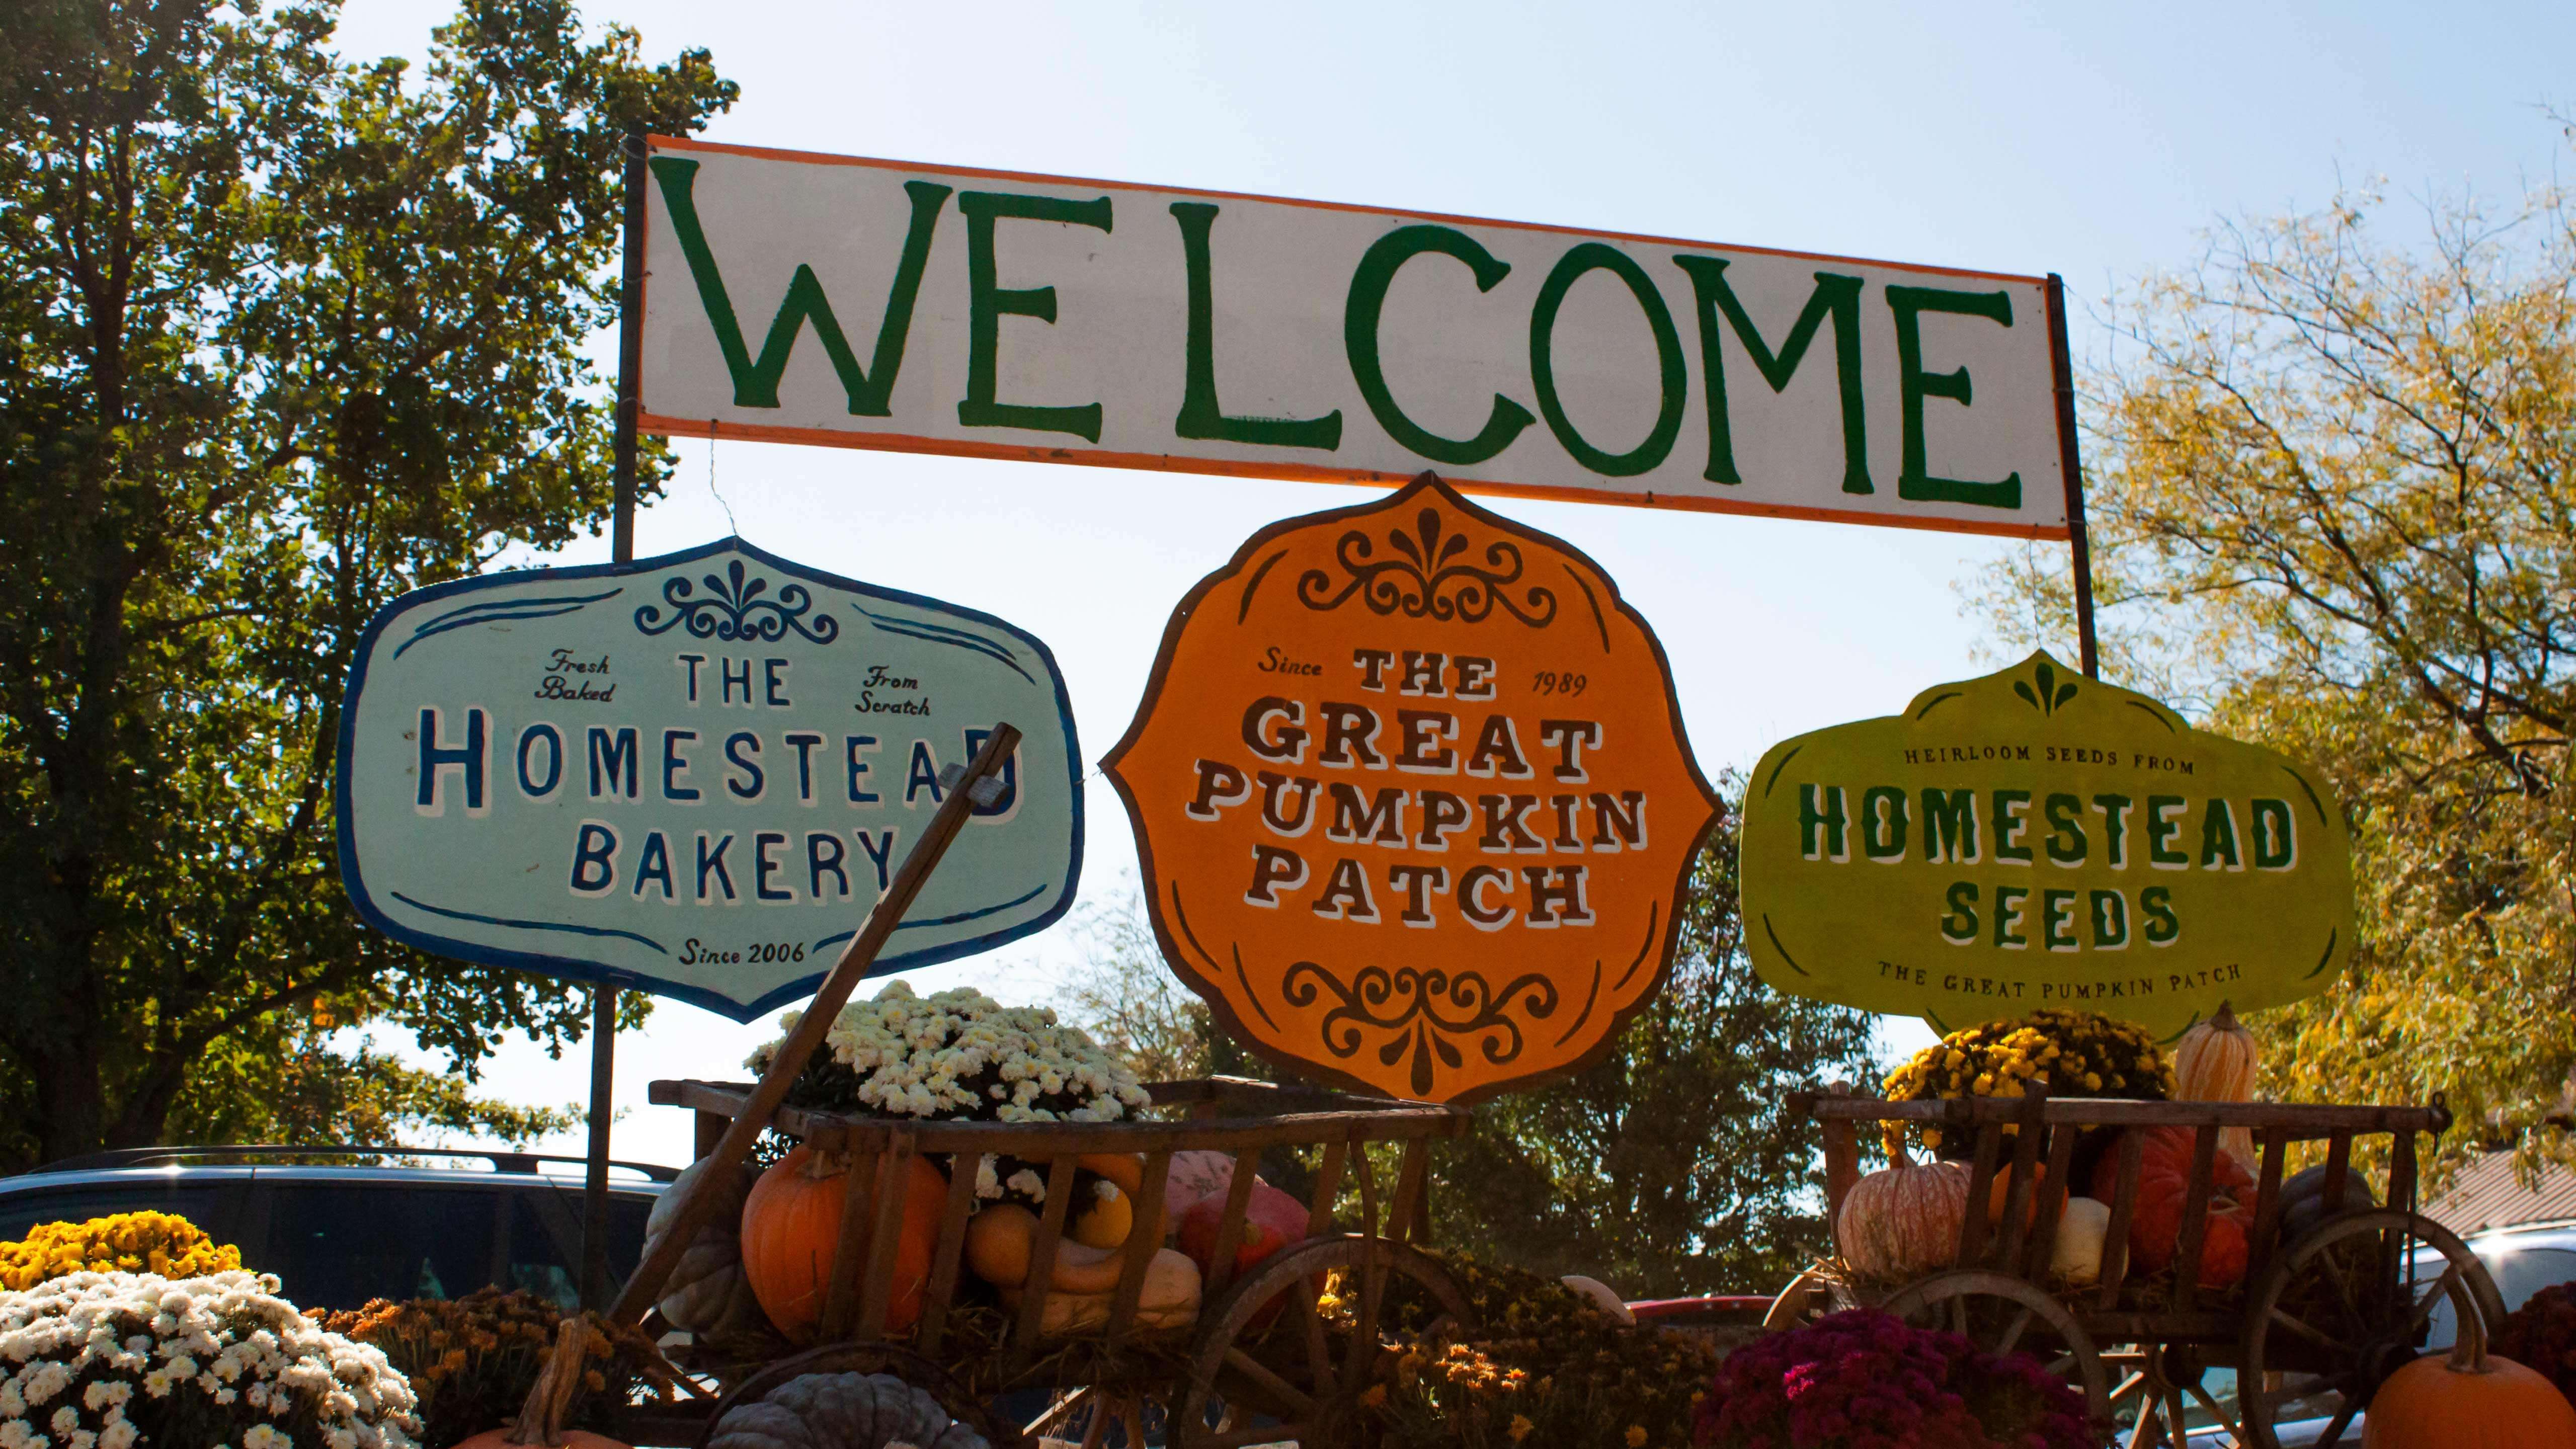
point(1205, 1386)
point(1201, 1385)
point(2318, 1321)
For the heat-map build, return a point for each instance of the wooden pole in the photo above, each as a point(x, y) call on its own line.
point(2070, 458)
point(699, 1203)
point(621, 543)
point(594, 1183)
point(630, 352)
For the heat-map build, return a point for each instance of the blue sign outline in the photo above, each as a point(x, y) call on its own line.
point(569, 969)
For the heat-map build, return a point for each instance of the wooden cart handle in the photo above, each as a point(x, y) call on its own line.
point(698, 1202)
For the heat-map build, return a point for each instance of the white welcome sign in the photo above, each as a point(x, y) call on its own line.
point(822, 299)
point(695, 773)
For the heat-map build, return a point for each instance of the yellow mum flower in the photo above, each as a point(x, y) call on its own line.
point(129, 1242)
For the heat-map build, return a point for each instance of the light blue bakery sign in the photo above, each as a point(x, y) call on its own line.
point(694, 774)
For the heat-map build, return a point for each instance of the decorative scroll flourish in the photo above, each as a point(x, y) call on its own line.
point(2050, 693)
point(1424, 1011)
point(1425, 577)
point(735, 610)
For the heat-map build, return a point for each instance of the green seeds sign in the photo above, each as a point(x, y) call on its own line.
point(877, 304)
point(2035, 838)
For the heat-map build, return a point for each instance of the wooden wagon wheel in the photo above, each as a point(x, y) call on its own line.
point(2160, 1382)
point(2004, 1314)
point(1313, 1398)
point(1090, 1412)
point(2346, 1306)
point(1809, 1296)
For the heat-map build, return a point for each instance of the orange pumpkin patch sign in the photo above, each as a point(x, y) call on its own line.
point(1413, 799)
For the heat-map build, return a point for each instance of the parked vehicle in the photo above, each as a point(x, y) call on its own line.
point(337, 1236)
point(2522, 1259)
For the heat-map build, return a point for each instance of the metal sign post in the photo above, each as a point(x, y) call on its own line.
point(2071, 462)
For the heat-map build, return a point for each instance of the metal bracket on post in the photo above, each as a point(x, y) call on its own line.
point(985, 791)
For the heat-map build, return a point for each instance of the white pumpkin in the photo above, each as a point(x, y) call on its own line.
point(2082, 1227)
point(707, 1293)
point(1603, 1296)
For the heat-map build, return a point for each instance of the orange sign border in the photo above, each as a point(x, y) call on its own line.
point(1234, 568)
point(665, 425)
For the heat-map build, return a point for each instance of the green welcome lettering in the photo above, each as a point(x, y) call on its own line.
point(988, 302)
point(1915, 481)
point(1836, 298)
point(1650, 454)
point(1202, 416)
point(755, 382)
point(1360, 314)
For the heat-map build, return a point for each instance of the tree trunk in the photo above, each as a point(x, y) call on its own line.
point(60, 1047)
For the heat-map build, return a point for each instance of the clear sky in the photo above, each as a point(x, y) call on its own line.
point(2092, 140)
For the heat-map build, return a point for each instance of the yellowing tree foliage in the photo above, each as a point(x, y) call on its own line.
point(2333, 499)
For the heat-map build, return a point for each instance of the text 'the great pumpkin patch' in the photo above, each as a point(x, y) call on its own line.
point(1413, 798)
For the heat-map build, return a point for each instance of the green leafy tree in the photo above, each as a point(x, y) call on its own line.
point(1132, 1005)
point(305, 1090)
point(1671, 1167)
point(281, 337)
point(2332, 490)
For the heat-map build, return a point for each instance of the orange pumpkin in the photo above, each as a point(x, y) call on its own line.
point(2155, 1223)
point(2469, 1400)
point(1999, 1194)
point(791, 1231)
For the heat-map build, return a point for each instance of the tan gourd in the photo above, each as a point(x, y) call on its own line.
point(2217, 1061)
point(1169, 1299)
point(1903, 1219)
